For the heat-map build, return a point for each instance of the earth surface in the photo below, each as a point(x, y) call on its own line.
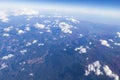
point(55, 47)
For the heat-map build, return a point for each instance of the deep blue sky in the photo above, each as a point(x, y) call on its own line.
point(101, 3)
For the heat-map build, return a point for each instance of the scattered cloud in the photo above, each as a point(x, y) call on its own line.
point(117, 44)
point(27, 28)
point(98, 69)
point(25, 11)
point(109, 73)
point(4, 16)
point(34, 41)
point(41, 44)
point(118, 34)
point(7, 29)
point(65, 27)
point(7, 57)
point(28, 43)
point(6, 35)
point(94, 67)
point(39, 26)
point(3, 66)
point(81, 49)
point(23, 51)
point(73, 20)
point(104, 43)
point(21, 32)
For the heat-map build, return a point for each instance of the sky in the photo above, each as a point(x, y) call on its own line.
point(95, 10)
point(105, 3)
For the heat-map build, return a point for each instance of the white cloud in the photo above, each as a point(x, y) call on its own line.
point(23, 51)
point(81, 49)
point(111, 40)
point(97, 68)
point(7, 57)
point(34, 41)
point(90, 43)
point(73, 20)
point(31, 74)
point(3, 66)
point(94, 67)
point(4, 16)
point(6, 35)
point(104, 43)
point(7, 29)
point(27, 28)
point(25, 11)
point(41, 44)
point(65, 27)
point(109, 73)
point(80, 35)
point(39, 26)
point(28, 44)
point(118, 34)
point(117, 44)
point(20, 32)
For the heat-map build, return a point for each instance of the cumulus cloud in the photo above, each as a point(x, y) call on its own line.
point(28, 43)
point(4, 16)
point(25, 11)
point(65, 27)
point(73, 20)
point(31, 74)
point(41, 44)
point(3, 66)
point(7, 29)
point(7, 57)
point(27, 28)
point(80, 35)
point(111, 40)
point(39, 26)
point(6, 35)
point(118, 34)
point(104, 43)
point(117, 44)
point(34, 41)
point(23, 51)
point(21, 31)
point(94, 67)
point(81, 49)
point(98, 69)
point(109, 73)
